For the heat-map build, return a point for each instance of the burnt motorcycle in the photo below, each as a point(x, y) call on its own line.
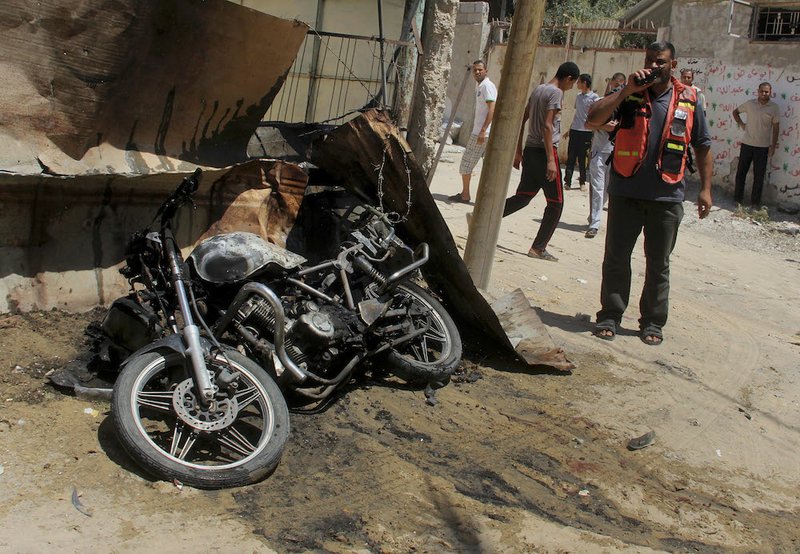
point(216, 344)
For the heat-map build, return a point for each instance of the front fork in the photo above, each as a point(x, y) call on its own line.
point(191, 332)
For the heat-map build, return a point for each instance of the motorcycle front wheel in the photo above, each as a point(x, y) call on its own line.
point(165, 429)
point(434, 355)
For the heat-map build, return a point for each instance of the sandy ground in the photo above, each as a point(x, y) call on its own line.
point(507, 461)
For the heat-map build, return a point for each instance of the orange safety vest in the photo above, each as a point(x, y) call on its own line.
point(630, 144)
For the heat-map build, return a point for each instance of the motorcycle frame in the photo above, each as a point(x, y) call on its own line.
point(348, 258)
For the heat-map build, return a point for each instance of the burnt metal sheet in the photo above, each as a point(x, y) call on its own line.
point(123, 86)
point(527, 334)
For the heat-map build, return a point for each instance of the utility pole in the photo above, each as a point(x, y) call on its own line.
point(484, 229)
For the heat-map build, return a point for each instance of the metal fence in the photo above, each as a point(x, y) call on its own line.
point(335, 75)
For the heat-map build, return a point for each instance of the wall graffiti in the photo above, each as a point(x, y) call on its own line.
point(727, 86)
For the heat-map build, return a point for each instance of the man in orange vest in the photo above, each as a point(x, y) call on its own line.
point(658, 119)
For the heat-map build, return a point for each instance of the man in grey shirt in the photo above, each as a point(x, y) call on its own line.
point(650, 199)
point(540, 157)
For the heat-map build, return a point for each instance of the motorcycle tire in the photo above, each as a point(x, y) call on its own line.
point(169, 434)
point(434, 356)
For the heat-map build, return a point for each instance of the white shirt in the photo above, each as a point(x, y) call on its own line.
point(485, 91)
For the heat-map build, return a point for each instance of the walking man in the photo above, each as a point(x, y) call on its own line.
point(657, 122)
point(540, 158)
point(599, 166)
point(580, 137)
point(759, 141)
point(485, 98)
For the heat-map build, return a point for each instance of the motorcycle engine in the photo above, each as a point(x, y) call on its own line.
point(314, 335)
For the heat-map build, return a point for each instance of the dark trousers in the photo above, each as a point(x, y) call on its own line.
point(759, 157)
point(627, 218)
point(578, 149)
point(534, 179)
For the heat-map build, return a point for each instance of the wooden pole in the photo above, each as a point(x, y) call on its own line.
point(490, 201)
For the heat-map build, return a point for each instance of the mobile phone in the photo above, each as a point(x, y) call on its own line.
point(652, 76)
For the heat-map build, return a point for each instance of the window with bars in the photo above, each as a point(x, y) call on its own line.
point(773, 23)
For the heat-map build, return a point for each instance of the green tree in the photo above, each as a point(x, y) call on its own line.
point(559, 13)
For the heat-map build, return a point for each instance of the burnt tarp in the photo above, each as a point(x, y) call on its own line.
point(370, 157)
point(124, 86)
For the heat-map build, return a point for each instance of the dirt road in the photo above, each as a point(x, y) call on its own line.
point(507, 460)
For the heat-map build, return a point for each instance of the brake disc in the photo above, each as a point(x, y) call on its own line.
point(189, 409)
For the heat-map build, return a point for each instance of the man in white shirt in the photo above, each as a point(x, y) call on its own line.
point(485, 98)
point(758, 144)
point(580, 137)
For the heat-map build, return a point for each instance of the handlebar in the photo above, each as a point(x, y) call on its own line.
point(179, 197)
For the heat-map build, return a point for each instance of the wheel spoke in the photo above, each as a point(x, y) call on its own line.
point(419, 354)
point(425, 349)
point(435, 334)
point(157, 400)
point(247, 396)
point(178, 450)
point(237, 442)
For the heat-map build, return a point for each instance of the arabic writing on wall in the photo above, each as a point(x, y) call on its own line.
point(727, 86)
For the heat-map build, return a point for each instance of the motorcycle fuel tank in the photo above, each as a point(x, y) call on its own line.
point(231, 257)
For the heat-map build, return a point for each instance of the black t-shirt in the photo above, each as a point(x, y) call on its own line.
point(646, 183)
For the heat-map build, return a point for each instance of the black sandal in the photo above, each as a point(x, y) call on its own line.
point(607, 325)
point(651, 334)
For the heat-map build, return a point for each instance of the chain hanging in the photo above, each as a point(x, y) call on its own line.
point(394, 217)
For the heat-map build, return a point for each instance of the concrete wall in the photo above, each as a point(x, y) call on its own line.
point(729, 70)
point(62, 239)
point(357, 17)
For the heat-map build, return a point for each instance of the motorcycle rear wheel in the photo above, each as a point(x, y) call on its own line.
point(435, 355)
point(169, 434)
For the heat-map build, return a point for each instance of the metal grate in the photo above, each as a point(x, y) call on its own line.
point(771, 23)
point(335, 75)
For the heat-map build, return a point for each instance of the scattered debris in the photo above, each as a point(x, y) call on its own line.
point(91, 393)
point(10, 321)
point(642, 442)
point(91, 411)
point(582, 281)
point(2, 469)
point(430, 396)
point(583, 492)
point(679, 369)
point(76, 501)
point(178, 484)
point(788, 228)
point(543, 278)
point(719, 453)
point(746, 413)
